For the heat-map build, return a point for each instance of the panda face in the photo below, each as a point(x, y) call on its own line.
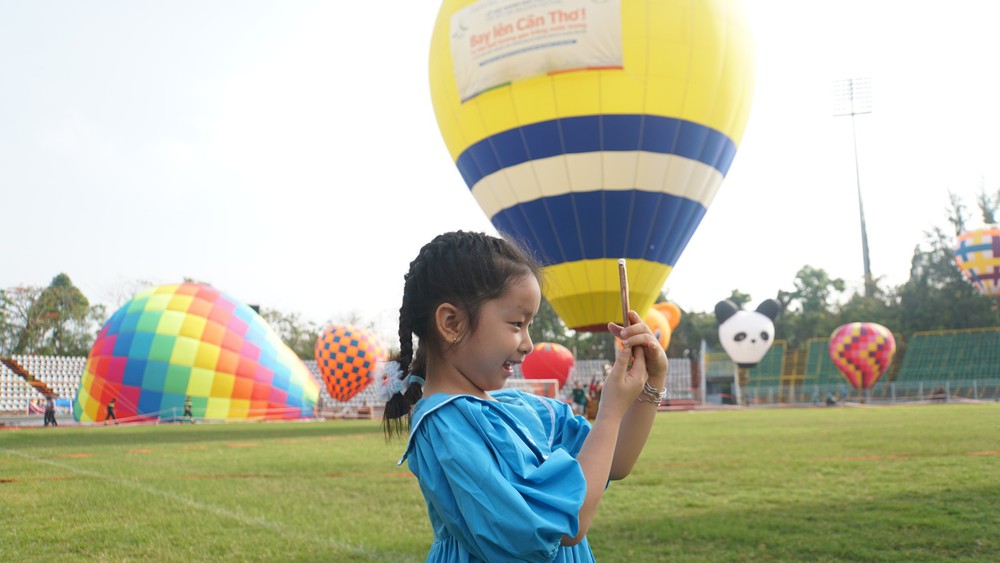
point(741, 336)
point(746, 336)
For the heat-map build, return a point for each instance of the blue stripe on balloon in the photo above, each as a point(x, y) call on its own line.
point(966, 248)
point(596, 133)
point(113, 326)
point(149, 401)
point(134, 370)
point(628, 224)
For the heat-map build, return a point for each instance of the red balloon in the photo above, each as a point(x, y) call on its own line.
point(863, 352)
point(346, 356)
point(548, 360)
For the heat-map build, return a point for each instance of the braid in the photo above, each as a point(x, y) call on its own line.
point(462, 268)
point(398, 406)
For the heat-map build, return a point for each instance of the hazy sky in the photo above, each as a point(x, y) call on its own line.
point(286, 151)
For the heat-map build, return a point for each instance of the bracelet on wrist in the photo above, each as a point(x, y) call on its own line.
point(652, 395)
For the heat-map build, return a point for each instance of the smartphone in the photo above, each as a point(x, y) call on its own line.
point(623, 282)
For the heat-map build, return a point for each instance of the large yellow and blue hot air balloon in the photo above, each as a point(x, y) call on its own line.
point(593, 130)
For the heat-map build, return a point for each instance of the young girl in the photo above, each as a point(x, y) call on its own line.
point(507, 476)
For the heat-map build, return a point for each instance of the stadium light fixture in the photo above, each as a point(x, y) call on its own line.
point(853, 96)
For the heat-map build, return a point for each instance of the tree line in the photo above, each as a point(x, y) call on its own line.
point(935, 297)
point(60, 320)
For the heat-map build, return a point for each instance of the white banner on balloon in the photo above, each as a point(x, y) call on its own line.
point(494, 42)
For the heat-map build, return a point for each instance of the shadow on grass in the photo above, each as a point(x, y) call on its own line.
point(131, 436)
point(954, 523)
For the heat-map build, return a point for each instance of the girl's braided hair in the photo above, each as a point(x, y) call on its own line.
point(462, 268)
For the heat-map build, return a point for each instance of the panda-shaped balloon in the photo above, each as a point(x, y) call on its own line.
point(746, 335)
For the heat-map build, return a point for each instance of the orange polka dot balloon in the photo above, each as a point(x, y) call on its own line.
point(347, 357)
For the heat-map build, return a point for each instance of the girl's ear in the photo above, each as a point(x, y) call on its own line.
point(448, 320)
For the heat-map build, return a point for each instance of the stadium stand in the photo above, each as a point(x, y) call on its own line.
point(964, 363)
point(15, 394)
point(59, 374)
point(958, 364)
point(27, 379)
point(820, 368)
point(761, 382)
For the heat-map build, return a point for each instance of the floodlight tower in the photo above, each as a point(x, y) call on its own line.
point(853, 96)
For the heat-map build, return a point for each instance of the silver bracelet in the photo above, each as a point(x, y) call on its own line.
point(651, 395)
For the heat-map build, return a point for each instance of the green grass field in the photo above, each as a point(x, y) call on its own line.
point(907, 483)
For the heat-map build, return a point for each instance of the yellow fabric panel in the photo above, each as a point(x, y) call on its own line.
point(222, 385)
point(193, 326)
point(239, 408)
point(88, 405)
point(158, 302)
point(586, 294)
point(170, 322)
point(185, 351)
point(180, 302)
point(533, 99)
point(170, 289)
point(208, 356)
point(576, 93)
point(218, 407)
point(691, 60)
point(200, 382)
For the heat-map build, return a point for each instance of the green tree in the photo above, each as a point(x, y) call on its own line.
point(937, 296)
point(807, 310)
point(18, 324)
point(60, 319)
point(739, 298)
point(988, 205)
point(691, 330)
point(55, 320)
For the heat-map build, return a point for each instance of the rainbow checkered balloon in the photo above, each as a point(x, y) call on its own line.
point(977, 253)
point(190, 340)
point(863, 352)
point(347, 356)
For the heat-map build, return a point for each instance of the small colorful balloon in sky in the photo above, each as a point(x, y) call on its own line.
point(977, 253)
point(174, 341)
point(347, 357)
point(863, 352)
point(548, 360)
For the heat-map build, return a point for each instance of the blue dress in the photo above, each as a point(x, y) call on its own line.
point(500, 477)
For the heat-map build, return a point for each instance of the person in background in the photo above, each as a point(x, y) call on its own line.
point(187, 409)
point(579, 399)
point(50, 411)
point(110, 415)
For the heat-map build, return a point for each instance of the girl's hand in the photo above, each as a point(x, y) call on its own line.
point(640, 349)
point(640, 338)
point(622, 385)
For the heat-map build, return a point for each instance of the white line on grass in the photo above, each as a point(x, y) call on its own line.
point(237, 515)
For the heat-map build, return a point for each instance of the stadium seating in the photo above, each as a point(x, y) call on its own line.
point(960, 364)
point(964, 362)
point(59, 375)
